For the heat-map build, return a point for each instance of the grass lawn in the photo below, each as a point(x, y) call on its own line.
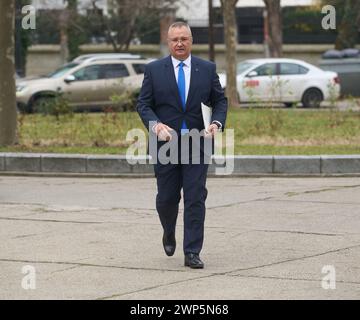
point(257, 132)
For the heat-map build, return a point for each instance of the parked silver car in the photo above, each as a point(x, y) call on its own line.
point(87, 82)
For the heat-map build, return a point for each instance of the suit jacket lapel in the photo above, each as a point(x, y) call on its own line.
point(194, 80)
point(171, 79)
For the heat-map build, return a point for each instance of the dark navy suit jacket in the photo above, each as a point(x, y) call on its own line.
point(160, 101)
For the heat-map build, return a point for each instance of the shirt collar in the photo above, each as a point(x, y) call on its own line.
point(176, 62)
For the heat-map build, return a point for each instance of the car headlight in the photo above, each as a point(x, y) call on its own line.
point(20, 88)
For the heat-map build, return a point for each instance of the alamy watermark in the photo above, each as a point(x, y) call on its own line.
point(29, 17)
point(194, 146)
point(329, 280)
point(28, 282)
point(329, 21)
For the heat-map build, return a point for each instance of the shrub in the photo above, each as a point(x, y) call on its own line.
point(126, 101)
point(53, 105)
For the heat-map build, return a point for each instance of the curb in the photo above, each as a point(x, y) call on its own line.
point(140, 166)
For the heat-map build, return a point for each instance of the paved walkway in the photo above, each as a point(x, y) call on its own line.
point(266, 238)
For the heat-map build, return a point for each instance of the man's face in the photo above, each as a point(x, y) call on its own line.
point(180, 42)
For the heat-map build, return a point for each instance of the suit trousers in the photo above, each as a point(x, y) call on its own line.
point(191, 177)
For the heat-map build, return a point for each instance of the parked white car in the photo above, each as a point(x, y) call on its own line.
point(284, 80)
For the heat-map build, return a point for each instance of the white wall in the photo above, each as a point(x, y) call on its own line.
point(196, 11)
point(59, 4)
point(48, 4)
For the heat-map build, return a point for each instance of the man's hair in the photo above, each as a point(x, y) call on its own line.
point(180, 24)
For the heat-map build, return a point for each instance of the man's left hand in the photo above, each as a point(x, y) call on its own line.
point(212, 130)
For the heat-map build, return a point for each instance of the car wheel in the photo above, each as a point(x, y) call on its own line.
point(41, 104)
point(312, 98)
point(23, 108)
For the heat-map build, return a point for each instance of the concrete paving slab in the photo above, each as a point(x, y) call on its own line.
point(291, 216)
point(253, 164)
point(340, 164)
point(63, 163)
point(234, 288)
point(22, 162)
point(313, 268)
point(297, 164)
point(107, 164)
point(140, 166)
point(331, 194)
point(81, 282)
point(265, 238)
point(2, 162)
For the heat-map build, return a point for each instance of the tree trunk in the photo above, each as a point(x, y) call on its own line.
point(230, 33)
point(211, 31)
point(348, 30)
point(131, 28)
point(166, 20)
point(64, 43)
point(72, 30)
point(274, 27)
point(8, 111)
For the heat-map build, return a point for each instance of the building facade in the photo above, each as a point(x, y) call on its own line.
point(83, 5)
point(196, 12)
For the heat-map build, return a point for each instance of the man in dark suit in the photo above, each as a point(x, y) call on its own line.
point(170, 105)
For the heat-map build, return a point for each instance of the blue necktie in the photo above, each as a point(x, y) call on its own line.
point(182, 89)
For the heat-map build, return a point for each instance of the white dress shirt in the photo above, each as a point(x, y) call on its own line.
point(187, 72)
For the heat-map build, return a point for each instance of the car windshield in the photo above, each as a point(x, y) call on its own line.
point(243, 66)
point(62, 70)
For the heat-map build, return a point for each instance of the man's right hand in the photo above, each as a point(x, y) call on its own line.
point(163, 131)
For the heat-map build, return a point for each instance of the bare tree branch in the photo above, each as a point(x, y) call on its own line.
point(274, 21)
point(230, 32)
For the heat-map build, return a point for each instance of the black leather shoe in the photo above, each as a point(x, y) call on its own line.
point(193, 261)
point(169, 243)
